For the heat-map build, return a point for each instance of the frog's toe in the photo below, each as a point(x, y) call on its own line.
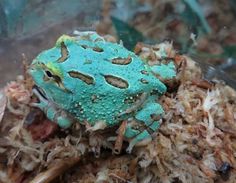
point(100, 125)
point(37, 105)
point(141, 138)
point(64, 122)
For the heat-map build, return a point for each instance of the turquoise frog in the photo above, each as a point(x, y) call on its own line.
point(101, 84)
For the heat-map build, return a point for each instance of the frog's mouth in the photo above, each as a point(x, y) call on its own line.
point(40, 92)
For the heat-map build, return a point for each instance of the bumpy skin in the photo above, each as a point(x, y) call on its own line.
point(101, 83)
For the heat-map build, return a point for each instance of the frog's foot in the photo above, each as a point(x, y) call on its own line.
point(142, 137)
point(100, 125)
point(164, 71)
point(147, 123)
point(51, 111)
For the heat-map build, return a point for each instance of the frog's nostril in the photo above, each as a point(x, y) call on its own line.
point(30, 70)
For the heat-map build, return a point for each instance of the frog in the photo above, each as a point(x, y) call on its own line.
point(87, 79)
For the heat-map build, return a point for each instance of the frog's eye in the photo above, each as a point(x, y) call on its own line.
point(52, 76)
point(48, 74)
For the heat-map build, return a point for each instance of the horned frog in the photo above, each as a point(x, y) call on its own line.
point(90, 80)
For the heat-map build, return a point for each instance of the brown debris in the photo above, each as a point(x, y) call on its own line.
point(55, 170)
point(202, 83)
point(120, 138)
point(42, 130)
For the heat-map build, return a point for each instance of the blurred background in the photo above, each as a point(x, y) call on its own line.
point(202, 29)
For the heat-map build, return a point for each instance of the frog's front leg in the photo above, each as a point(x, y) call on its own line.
point(99, 125)
point(140, 132)
point(52, 112)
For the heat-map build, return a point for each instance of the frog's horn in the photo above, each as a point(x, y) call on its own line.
point(65, 39)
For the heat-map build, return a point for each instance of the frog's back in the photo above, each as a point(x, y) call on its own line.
point(103, 77)
point(108, 67)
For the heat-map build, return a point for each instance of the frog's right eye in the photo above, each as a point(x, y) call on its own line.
point(48, 74)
